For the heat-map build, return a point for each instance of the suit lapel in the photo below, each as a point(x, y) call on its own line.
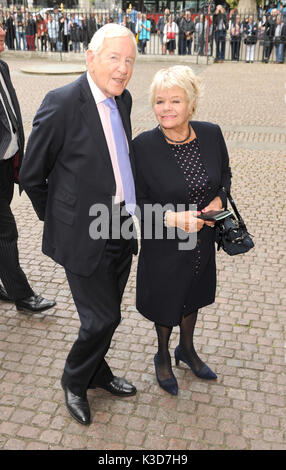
point(3, 115)
point(92, 119)
point(15, 105)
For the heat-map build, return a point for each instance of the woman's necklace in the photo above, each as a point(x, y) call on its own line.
point(177, 141)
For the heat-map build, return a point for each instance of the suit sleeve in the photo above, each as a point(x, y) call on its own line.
point(43, 147)
point(225, 170)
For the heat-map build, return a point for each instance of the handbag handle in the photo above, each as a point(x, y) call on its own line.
point(232, 203)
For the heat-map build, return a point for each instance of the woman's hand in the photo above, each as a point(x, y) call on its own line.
point(214, 205)
point(186, 221)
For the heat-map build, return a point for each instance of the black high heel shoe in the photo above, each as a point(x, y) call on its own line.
point(169, 385)
point(203, 373)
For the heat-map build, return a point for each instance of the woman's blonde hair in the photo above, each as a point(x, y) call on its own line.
point(180, 76)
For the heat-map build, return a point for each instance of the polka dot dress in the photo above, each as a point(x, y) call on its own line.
point(189, 160)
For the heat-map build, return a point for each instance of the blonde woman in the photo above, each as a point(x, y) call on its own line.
point(180, 161)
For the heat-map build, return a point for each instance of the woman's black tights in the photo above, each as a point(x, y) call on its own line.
point(164, 367)
point(186, 346)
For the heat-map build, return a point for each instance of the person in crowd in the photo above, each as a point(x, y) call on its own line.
point(31, 31)
point(42, 31)
point(269, 33)
point(250, 38)
point(133, 19)
point(79, 154)
point(75, 32)
point(99, 20)
point(91, 26)
point(199, 35)
point(15, 287)
point(174, 283)
point(162, 21)
point(235, 38)
point(220, 27)
point(280, 40)
point(65, 32)
point(20, 30)
point(53, 32)
point(186, 30)
point(232, 17)
point(261, 29)
point(120, 16)
point(144, 33)
point(126, 22)
point(84, 33)
point(9, 27)
point(181, 34)
point(171, 32)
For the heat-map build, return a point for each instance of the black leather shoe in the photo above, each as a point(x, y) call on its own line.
point(77, 406)
point(119, 386)
point(35, 303)
point(4, 296)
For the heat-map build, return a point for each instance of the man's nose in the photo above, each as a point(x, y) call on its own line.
point(123, 66)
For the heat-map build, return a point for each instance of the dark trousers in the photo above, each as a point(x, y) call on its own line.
point(185, 46)
point(97, 298)
point(235, 48)
point(11, 274)
point(267, 49)
point(220, 44)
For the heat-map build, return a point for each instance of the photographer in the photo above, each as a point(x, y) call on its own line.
point(280, 40)
point(220, 27)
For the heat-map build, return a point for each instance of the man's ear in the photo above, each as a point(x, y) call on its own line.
point(89, 57)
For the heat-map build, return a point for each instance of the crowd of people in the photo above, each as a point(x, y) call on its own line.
point(269, 30)
point(184, 32)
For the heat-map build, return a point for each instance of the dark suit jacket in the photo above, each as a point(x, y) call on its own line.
point(165, 275)
point(5, 133)
point(67, 169)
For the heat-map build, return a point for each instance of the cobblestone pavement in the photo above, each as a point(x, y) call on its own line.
point(241, 336)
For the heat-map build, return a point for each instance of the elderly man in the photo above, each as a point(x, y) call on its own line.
point(79, 156)
point(16, 287)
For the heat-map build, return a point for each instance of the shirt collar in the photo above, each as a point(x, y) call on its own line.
point(98, 95)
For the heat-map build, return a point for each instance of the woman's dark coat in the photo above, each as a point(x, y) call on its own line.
point(167, 286)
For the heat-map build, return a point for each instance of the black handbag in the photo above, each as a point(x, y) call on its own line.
point(231, 233)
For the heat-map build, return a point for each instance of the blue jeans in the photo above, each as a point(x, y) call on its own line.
point(76, 46)
point(20, 35)
point(279, 52)
point(220, 44)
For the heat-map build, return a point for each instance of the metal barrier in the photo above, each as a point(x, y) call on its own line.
point(71, 31)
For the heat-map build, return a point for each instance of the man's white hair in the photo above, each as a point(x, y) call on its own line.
point(110, 30)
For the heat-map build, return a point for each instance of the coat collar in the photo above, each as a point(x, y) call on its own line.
point(204, 145)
